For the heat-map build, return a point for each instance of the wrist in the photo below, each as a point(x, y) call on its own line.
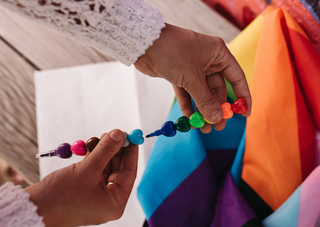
point(41, 200)
point(34, 197)
point(168, 54)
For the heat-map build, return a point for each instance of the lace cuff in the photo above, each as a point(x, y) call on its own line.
point(124, 29)
point(16, 210)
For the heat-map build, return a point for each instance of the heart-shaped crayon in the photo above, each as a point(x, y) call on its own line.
point(168, 129)
point(78, 148)
point(196, 120)
point(63, 151)
point(182, 124)
point(135, 137)
point(227, 112)
point(239, 106)
point(91, 143)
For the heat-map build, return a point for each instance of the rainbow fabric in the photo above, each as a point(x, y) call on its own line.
point(256, 171)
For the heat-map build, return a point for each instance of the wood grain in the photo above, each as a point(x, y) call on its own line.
point(44, 47)
point(197, 16)
point(17, 114)
point(48, 49)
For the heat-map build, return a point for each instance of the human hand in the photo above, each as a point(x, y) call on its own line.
point(78, 194)
point(185, 58)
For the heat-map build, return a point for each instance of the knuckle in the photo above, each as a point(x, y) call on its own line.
point(107, 148)
point(222, 58)
point(186, 85)
point(191, 85)
point(205, 102)
point(222, 51)
point(219, 93)
point(216, 90)
point(238, 82)
point(182, 81)
point(131, 173)
point(219, 41)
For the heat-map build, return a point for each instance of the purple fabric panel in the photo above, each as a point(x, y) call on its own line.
point(231, 208)
point(221, 161)
point(191, 203)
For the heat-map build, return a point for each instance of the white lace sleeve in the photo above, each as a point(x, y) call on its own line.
point(15, 208)
point(123, 29)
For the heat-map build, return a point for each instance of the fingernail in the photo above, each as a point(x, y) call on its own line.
point(116, 136)
point(216, 116)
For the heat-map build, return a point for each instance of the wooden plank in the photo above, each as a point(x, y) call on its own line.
point(44, 47)
point(17, 114)
point(197, 16)
point(48, 49)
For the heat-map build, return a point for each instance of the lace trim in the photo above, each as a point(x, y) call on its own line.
point(124, 29)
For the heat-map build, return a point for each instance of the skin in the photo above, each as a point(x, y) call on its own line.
point(78, 194)
point(196, 65)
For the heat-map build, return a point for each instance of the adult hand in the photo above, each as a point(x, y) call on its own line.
point(78, 194)
point(185, 58)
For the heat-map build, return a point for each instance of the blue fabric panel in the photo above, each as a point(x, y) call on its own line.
point(287, 214)
point(236, 168)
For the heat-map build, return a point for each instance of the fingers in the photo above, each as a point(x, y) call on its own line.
point(206, 128)
point(103, 135)
point(217, 88)
point(116, 161)
point(203, 99)
point(128, 170)
point(115, 165)
point(232, 71)
point(208, 106)
point(184, 100)
point(106, 173)
point(239, 84)
point(107, 148)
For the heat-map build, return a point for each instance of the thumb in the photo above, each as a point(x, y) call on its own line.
point(105, 150)
point(207, 105)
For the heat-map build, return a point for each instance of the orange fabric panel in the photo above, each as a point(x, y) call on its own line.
point(292, 24)
point(271, 164)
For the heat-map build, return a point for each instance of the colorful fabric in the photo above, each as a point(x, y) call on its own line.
point(242, 12)
point(280, 142)
point(257, 169)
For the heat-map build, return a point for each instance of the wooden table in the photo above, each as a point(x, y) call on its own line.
point(26, 47)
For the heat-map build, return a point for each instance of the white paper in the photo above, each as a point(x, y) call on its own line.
point(81, 102)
